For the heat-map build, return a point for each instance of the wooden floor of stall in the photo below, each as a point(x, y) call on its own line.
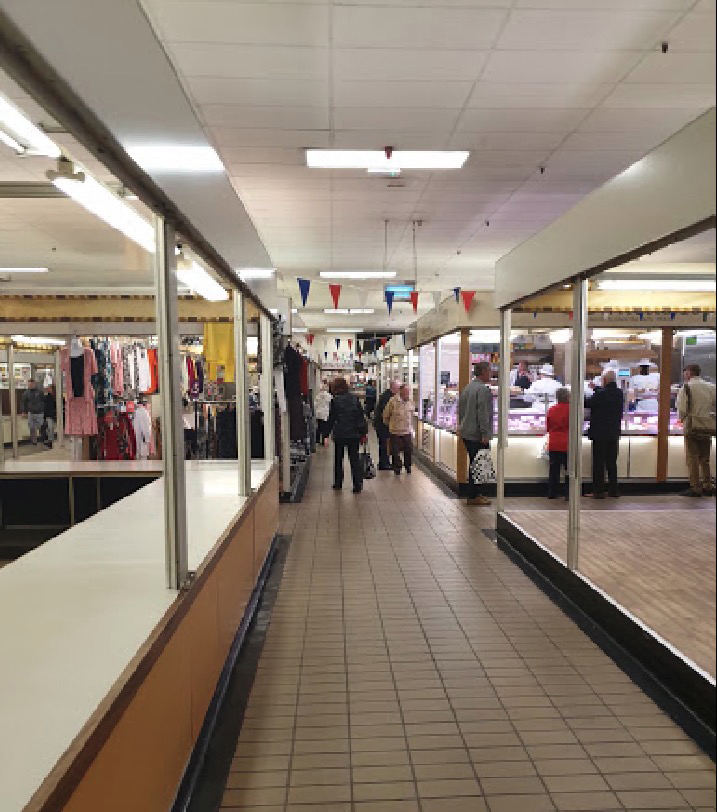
point(654, 555)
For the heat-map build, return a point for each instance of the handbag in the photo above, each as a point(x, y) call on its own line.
point(482, 471)
point(703, 425)
point(369, 469)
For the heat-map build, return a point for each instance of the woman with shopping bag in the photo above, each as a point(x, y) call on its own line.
point(475, 420)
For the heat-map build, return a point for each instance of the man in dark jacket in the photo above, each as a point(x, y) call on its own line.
point(384, 462)
point(606, 409)
point(348, 424)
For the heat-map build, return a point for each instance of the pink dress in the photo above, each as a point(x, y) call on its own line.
point(80, 412)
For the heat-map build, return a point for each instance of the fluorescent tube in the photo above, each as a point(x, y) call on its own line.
point(343, 311)
point(23, 131)
point(660, 285)
point(39, 340)
point(103, 203)
point(299, 329)
point(347, 330)
point(199, 281)
point(24, 270)
point(169, 158)
point(357, 274)
point(247, 274)
point(560, 336)
point(376, 161)
point(9, 141)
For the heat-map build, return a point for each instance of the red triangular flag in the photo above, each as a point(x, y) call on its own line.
point(335, 291)
point(468, 298)
point(350, 342)
point(414, 300)
point(383, 342)
point(310, 338)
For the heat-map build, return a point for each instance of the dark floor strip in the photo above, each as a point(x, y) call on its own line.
point(203, 787)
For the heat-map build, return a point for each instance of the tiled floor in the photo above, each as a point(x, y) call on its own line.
point(411, 667)
point(654, 555)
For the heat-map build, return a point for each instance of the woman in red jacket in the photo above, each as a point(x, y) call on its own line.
point(558, 429)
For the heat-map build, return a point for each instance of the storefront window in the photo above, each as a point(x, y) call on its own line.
point(427, 374)
point(447, 401)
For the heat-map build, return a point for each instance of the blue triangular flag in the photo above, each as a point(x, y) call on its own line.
point(304, 285)
point(389, 301)
point(338, 343)
point(457, 294)
point(326, 355)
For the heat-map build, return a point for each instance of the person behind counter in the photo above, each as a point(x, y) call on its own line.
point(606, 406)
point(348, 423)
point(545, 385)
point(558, 425)
point(520, 376)
point(696, 409)
point(370, 396)
point(475, 422)
point(398, 416)
point(382, 432)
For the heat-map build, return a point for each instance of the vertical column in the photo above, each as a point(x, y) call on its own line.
point(267, 386)
point(434, 418)
point(241, 377)
point(12, 391)
point(663, 414)
point(60, 420)
point(175, 501)
point(503, 404)
point(2, 434)
point(464, 376)
point(577, 408)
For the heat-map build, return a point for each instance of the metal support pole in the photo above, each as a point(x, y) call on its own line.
point(13, 398)
point(464, 377)
point(577, 404)
point(2, 434)
point(503, 404)
point(663, 414)
point(267, 386)
point(175, 500)
point(60, 419)
point(241, 377)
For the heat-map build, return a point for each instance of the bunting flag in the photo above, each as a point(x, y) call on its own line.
point(304, 285)
point(467, 298)
point(336, 356)
point(384, 341)
point(335, 291)
point(414, 300)
point(326, 355)
point(359, 346)
point(457, 294)
point(672, 316)
point(389, 301)
point(310, 338)
point(350, 342)
point(338, 343)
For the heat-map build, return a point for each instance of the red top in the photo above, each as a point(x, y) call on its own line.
point(558, 427)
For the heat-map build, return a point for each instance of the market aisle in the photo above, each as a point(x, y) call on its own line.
point(410, 666)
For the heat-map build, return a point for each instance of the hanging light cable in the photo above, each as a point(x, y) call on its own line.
point(385, 244)
point(415, 257)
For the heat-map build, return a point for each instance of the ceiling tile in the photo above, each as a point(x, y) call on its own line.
point(521, 120)
point(676, 67)
point(662, 122)
point(414, 27)
point(696, 32)
point(392, 64)
point(506, 141)
point(637, 94)
point(401, 94)
point(371, 118)
point(272, 92)
point(240, 137)
point(501, 94)
point(261, 117)
point(250, 61)
point(592, 67)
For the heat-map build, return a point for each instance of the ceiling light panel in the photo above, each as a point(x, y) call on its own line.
point(198, 280)
point(357, 274)
point(377, 161)
point(24, 270)
point(22, 132)
point(169, 158)
point(659, 285)
point(248, 274)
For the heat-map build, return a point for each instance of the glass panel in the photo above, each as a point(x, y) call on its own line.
point(427, 374)
point(447, 401)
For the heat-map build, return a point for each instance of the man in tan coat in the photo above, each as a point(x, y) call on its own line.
point(398, 416)
point(696, 408)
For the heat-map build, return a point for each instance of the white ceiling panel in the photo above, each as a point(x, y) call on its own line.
point(373, 118)
point(415, 27)
point(242, 23)
point(696, 32)
point(259, 92)
point(590, 67)
point(676, 67)
point(660, 122)
point(402, 94)
point(608, 5)
point(388, 64)
point(638, 94)
point(265, 117)
point(585, 29)
point(545, 94)
point(506, 141)
point(521, 120)
point(228, 137)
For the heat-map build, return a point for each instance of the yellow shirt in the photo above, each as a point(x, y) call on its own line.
point(219, 349)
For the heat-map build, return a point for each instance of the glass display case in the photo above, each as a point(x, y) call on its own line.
point(447, 400)
point(427, 378)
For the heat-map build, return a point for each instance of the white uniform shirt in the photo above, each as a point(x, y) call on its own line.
point(543, 386)
point(650, 382)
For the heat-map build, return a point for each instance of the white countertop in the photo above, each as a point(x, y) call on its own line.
point(74, 611)
point(41, 468)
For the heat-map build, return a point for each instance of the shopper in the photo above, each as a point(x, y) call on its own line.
point(370, 395)
point(606, 406)
point(475, 421)
point(382, 432)
point(33, 405)
point(398, 416)
point(348, 423)
point(558, 425)
point(323, 404)
point(696, 409)
point(50, 415)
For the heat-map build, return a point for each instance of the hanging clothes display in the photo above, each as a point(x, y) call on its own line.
point(153, 360)
point(117, 368)
point(80, 412)
point(292, 387)
point(144, 376)
point(227, 434)
point(116, 437)
point(104, 392)
point(219, 350)
point(142, 431)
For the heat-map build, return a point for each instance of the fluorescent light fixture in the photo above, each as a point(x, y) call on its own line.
point(357, 274)
point(337, 310)
point(659, 285)
point(252, 345)
point(352, 311)
point(24, 270)
point(198, 280)
point(361, 311)
point(39, 340)
point(106, 205)
point(274, 311)
point(9, 141)
point(247, 274)
point(299, 329)
point(23, 132)
point(607, 333)
point(294, 309)
point(560, 336)
point(173, 158)
point(694, 333)
point(485, 336)
point(376, 160)
point(654, 336)
point(347, 330)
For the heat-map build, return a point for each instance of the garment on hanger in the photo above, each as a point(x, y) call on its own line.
point(227, 434)
point(304, 377)
point(152, 357)
point(116, 437)
point(103, 379)
point(117, 368)
point(144, 376)
point(190, 376)
point(80, 413)
point(142, 431)
point(219, 349)
point(129, 372)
